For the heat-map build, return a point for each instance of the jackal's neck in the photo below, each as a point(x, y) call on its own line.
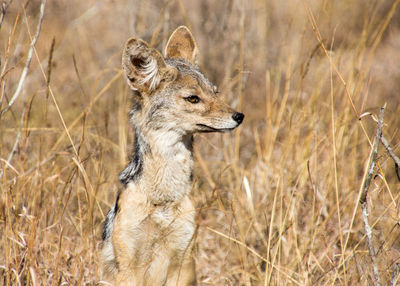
point(161, 165)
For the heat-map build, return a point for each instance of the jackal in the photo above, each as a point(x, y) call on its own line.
point(148, 233)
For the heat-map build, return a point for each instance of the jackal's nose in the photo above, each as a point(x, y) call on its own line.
point(238, 117)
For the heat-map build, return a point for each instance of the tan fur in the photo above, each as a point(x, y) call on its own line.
point(148, 235)
point(148, 241)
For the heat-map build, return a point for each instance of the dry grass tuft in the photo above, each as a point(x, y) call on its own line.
point(278, 200)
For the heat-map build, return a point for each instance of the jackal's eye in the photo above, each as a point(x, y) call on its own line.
point(193, 99)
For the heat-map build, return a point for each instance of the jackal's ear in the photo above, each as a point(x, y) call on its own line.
point(181, 45)
point(144, 66)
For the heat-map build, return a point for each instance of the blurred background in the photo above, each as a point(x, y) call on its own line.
point(277, 200)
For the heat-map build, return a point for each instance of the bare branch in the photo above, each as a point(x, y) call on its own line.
point(395, 275)
point(393, 155)
point(3, 9)
point(28, 60)
point(16, 143)
point(363, 197)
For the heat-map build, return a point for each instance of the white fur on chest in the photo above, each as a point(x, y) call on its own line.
point(167, 169)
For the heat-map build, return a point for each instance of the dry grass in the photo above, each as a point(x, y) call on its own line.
point(277, 200)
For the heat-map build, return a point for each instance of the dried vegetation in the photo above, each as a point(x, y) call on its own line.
point(278, 200)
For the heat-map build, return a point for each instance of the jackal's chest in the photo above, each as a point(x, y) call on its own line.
point(164, 228)
point(180, 215)
point(167, 178)
point(173, 227)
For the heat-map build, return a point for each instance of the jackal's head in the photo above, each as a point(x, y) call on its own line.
point(172, 93)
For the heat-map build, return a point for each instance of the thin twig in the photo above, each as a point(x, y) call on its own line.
point(16, 143)
point(395, 275)
point(3, 8)
point(28, 60)
point(393, 155)
point(374, 155)
point(363, 198)
point(18, 138)
point(14, 149)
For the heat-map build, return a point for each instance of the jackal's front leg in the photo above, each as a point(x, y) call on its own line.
point(127, 278)
point(152, 271)
point(154, 274)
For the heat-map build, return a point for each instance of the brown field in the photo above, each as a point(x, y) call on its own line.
point(278, 199)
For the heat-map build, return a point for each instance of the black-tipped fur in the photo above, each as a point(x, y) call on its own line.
point(134, 169)
point(109, 222)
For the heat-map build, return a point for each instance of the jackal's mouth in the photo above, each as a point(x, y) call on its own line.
point(206, 128)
